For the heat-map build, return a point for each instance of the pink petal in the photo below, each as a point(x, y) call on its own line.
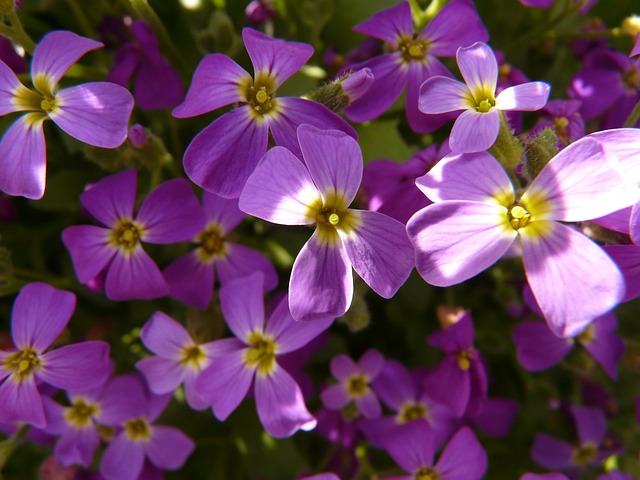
point(9, 83)
point(223, 211)
point(443, 94)
point(538, 348)
point(334, 397)
point(388, 25)
point(479, 67)
point(622, 143)
point(161, 374)
point(463, 458)
point(457, 24)
point(240, 261)
point(474, 131)
point(527, 97)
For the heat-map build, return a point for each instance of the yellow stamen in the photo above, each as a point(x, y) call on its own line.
point(22, 363)
point(426, 473)
point(138, 430)
point(518, 217)
point(412, 411)
point(357, 386)
point(261, 353)
point(80, 413)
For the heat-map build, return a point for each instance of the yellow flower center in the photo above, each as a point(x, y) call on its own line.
point(426, 473)
point(413, 49)
point(332, 215)
point(412, 411)
point(22, 363)
point(357, 385)
point(80, 413)
point(464, 358)
point(212, 243)
point(194, 356)
point(485, 105)
point(138, 429)
point(585, 454)
point(261, 353)
point(587, 336)
point(126, 235)
point(259, 94)
point(518, 217)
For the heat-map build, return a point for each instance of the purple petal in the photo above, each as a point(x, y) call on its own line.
point(297, 111)
point(275, 57)
point(190, 280)
point(371, 363)
point(394, 385)
point(215, 84)
point(164, 336)
point(579, 183)
point(368, 405)
point(122, 398)
point(89, 249)
point(280, 404)
point(411, 446)
point(56, 52)
point(23, 158)
point(479, 67)
point(161, 374)
point(281, 190)
point(497, 416)
point(450, 384)
point(20, 402)
point(134, 276)
point(169, 448)
point(474, 131)
point(77, 366)
point(125, 63)
point(551, 452)
point(380, 252)
point(122, 459)
point(77, 446)
point(389, 79)
point(112, 198)
point(463, 458)
point(241, 261)
point(527, 97)
point(334, 397)
point(342, 367)
point(573, 280)
point(157, 85)
point(334, 161)
point(223, 211)
point(456, 240)
point(606, 347)
point(456, 25)
point(591, 424)
point(627, 257)
point(475, 177)
point(443, 94)
point(213, 160)
point(321, 283)
point(456, 337)
point(538, 348)
point(225, 383)
point(40, 313)
point(171, 213)
point(242, 305)
point(9, 83)
point(388, 25)
point(94, 113)
point(621, 142)
point(617, 221)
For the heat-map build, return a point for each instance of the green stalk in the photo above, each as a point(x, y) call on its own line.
point(8, 446)
point(633, 118)
point(17, 32)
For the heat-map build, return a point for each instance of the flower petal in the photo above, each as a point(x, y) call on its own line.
point(527, 97)
point(76, 367)
point(622, 143)
point(274, 56)
point(171, 213)
point(551, 452)
point(215, 84)
point(334, 397)
point(388, 25)
point(280, 190)
point(21, 402)
point(479, 68)
point(380, 252)
point(606, 347)
point(9, 83)
point(394, 385)
point(56, 52)
point(573, 280)
point(474, 131)
point(627, 257)
point(213, 160)
point(591, 424)
point(112, 198)
point(169, 448)
point(89, 248)
point(243, 306)
point(463, 458)
point(241, 261)
point(456, 25)
point(23, 158)
point(122, 459)
point(164, 336)
point(280, 405)
point(223, 211)
point(538, 348)
point(411, 446)
point(456, 240)
point(443, 94)
point(161, 374)
point(123, 397)
point(321, 283)
point(77, 446)
point(94, 113)
point(190, 280)
point(134, 276)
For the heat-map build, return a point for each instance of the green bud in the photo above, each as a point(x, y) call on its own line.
point(539, 151)
point(331, 96)
point(220, 35)
point(507, 148)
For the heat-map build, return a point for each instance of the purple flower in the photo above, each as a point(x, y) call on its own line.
point(412, 58)
point(169, 214)
point(94, 113)
point(319, 191)
point(353, 386)
point(565, 119)
point(413, 449)
point(476, 219)
point(191, 277)
point(213, 160)
point(251, 358)
point(40, 313)
point(157, 85)
point(477, 127)
point(165, 447)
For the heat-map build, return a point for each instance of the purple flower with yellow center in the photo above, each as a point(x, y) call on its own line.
point(178, 358)
point(565, 119)
point(40, 313)
point(169, 214)
point(353, 386)
point(191, 277)
point(476, 218)
point(94, 113)
point(213, 160)
point(477, 127)
point(251, 358)
point(139, 439)
point(410, 58)
point(318, 192)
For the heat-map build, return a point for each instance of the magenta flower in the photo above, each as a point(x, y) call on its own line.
point(252, 358)
point(40, 313)
point(476, 218)
point(191, 277)
point(412, 447)
point(169, 214)
point(411, 58)
point(353, 386)
point(477, 127)
point(213, 160)
point(319, 191)
point(165, 447)
point(94, 113)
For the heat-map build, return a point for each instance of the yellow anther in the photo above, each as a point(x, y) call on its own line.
point(412, 411)
point(357, 386)
point(23, 366)
point(46, 105)
point(415, 50)
point(484, 106)
point(561, 122)
point(464, 359)
point(334, 219)
point(262, 96)
point(518, 217)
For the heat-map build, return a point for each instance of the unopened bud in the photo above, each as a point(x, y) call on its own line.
point(357, 83)
point(539, 151)
point(344, 90)
point(449, 316)
point(507, 149)
point(137, 136)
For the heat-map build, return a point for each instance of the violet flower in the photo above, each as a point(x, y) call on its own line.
point(157, 84)
point(476, 219)
point(191, 277)
point(476, 129)
point(169, 214)
point(319, 191)
point(411, 58)
point(213, 160)
point(94, 113)
point(252, 358)
point(353, 386)
point(40, 313)
point(565, 119)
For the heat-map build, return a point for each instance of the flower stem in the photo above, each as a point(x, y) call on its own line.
point(17, 32)
point(634, 117)
point(8, 446)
